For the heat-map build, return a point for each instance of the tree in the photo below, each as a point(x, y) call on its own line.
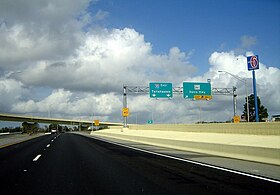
point(262, 110)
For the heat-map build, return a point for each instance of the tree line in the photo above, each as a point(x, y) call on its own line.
point(263, 114)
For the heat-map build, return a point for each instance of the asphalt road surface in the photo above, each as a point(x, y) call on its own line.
point(74, 164)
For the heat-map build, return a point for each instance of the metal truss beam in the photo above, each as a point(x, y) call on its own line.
point(222, 91)
point(177, 90)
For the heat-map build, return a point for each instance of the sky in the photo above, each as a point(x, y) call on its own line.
point(70, 59)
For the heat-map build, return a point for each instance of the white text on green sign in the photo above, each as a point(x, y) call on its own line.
point(161, 90)
point(191, 89)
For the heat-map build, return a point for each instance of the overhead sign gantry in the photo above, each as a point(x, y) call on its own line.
point(163, 90)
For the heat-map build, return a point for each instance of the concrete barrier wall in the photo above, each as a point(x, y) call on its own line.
point(251, 153)
point(258, 142)
point(272, 128)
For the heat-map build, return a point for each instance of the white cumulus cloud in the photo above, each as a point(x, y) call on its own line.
point(56, 47)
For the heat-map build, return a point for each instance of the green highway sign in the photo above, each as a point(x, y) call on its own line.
point(192, 89)
point(161, 90)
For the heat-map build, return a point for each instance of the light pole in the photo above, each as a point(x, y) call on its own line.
point(80, 115)
point(124, 106)
point(246, 89)
point(49, 112)
point(234, 100)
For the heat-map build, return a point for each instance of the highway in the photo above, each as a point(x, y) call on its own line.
point(69, 163)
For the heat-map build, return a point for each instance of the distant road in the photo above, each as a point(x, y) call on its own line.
point(74, 164)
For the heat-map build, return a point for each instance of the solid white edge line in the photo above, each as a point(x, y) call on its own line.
point(37, 157)
point(193, 162)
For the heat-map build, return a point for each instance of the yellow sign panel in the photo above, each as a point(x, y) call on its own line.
point(236, 119)
point(96, 122)
point(203, 97)
point(125, 112)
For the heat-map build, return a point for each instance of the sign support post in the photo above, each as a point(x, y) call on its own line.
point(253, 64)
point(255, 97)
point(124, 106)
point(234, 100)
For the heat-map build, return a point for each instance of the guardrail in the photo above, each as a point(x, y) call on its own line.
point(10, 133)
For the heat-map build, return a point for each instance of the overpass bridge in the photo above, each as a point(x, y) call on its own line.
point(36, 119)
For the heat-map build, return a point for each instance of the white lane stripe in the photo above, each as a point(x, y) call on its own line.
point(37, 157)
point(193, 162)
point(52, 140)
point(48, 145)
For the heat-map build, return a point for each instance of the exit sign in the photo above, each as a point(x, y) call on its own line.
point(161, 90)
point(193, 89)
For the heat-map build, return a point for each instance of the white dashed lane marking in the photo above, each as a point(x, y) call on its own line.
point(37, 157)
